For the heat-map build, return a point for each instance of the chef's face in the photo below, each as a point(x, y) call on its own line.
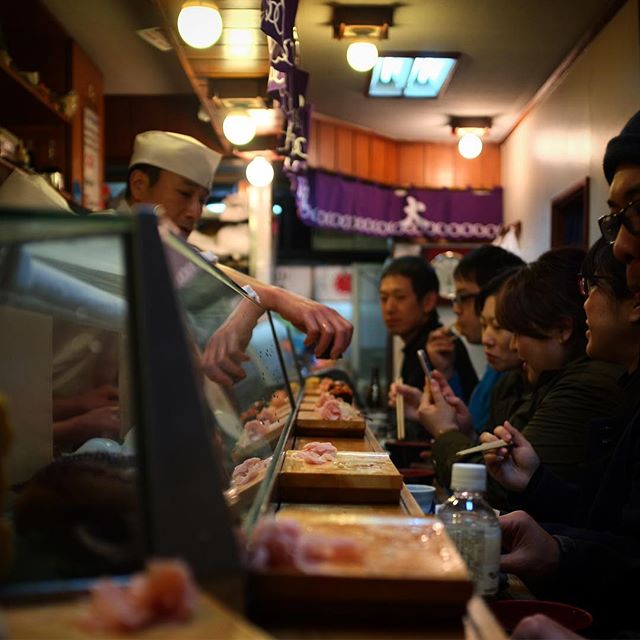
point(625, 188)
point(402, 311)
point(181, 199)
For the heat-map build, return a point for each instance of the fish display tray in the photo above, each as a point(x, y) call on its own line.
point(309, 423)
point(409, 570)
point(353, 477)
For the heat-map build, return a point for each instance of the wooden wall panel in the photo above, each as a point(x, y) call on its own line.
point(377, 158)
point(326, 145)
point(344, 151)
point(361, 154)
point(439, 170)
point(390, 162)
point(411, 164)
point(312, 149)
point(126, 116)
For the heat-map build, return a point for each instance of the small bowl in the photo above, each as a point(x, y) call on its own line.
point(510, 612)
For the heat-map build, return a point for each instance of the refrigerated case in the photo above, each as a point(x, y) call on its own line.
point(124, 444)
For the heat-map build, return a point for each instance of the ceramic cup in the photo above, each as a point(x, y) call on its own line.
point(424, 495)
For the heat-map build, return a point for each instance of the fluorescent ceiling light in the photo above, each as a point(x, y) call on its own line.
point(410, 77)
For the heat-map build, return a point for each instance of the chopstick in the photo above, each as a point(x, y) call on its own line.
point(422, 357)
point(487, 446)
point(400, 412)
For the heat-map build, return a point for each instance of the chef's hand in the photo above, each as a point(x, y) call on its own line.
point(64, 407)
point(528, 551)
point(323, 326)
point(514, 467)
point(412, 398)
point(436, 415)
point(441, 351)
point(225, 352)
point(540, 626)
point(97, 423)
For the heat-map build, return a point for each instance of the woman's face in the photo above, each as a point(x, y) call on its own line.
point(496, 340)
point(541, 354)
point(610, 333)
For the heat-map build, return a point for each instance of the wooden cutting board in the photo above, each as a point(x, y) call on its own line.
point(353, 477)
point(61, 620)
point(309, 423)
point(409, 569)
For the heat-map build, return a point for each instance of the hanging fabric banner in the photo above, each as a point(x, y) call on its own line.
point(333, 202)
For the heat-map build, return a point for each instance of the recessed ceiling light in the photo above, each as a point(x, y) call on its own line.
point(405, 76)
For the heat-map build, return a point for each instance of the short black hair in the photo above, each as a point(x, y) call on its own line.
point(601, 268)
point(421, 274)
point(492, 287)
point(485, 262)
point(152, 172)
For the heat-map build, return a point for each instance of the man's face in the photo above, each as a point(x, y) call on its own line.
point(402, 312)
point(624, 189)
point(467, 322)
point(181, 199)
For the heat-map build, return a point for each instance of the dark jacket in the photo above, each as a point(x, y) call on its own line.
point(600, 564)
point(549, 498)
point(556, 420)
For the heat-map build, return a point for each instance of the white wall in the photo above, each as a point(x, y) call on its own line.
point(562, 140)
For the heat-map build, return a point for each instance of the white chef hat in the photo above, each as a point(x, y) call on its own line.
point(176, 152)
point(22, 189)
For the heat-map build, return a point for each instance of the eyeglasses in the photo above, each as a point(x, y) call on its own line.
point(586, 283)
point(628, 216)
point(461, 298)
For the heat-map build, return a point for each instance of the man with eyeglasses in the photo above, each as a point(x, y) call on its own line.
point(589, 565)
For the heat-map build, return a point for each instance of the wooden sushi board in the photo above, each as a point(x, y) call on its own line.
point(353, 477)
point(240, 498)
point(309, 423)
point(61, 620)
point(408, 569)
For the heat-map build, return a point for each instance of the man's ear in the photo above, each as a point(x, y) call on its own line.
point(430, 301)
point(634, 311)
point(139, 185)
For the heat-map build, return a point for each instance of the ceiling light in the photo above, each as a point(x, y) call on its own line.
point(199, 23)
point(409, 76)
point(362, 23)
point(362, 56)
point(470, 146)
point(470, 131)
point(259, 172)
point(239, 127)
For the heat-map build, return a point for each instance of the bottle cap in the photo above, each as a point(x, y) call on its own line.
point(468, 477)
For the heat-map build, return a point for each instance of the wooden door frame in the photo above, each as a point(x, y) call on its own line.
point(560, 203)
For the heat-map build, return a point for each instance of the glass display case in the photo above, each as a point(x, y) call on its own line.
point(145, 399)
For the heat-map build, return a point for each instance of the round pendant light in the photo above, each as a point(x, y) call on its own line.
point(362, 56)
point(470, 146)
point(239, 127)
point(259, 172)
point(199, 24)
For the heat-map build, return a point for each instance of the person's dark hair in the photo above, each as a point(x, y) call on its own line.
point(602, 269)
point(543, 295)
point(152, 172)
point(493, 287)
point(485, 262)
point(422, 275)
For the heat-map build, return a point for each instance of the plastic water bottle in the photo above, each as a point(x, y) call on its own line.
point(473, 526)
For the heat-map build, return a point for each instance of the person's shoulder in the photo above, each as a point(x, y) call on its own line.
point(585, 367)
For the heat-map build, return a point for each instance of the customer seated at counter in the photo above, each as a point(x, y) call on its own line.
point(596, 566)
point(542, 306)
point(408, 292)
point(613, 318)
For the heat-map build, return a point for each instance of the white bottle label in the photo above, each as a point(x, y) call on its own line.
point(480, 548)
